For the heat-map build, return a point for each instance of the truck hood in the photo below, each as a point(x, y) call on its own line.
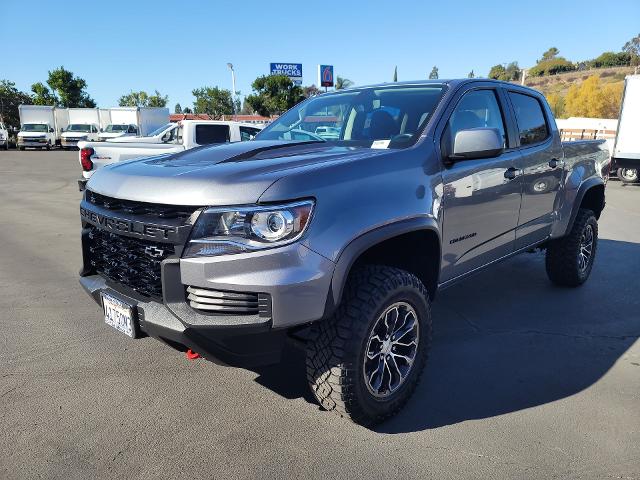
point(32, 134)
point(228, 174)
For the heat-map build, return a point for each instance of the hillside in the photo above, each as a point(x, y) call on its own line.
point(560, 83)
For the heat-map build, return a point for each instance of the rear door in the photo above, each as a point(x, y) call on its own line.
point(481, 197)
point(541, 165)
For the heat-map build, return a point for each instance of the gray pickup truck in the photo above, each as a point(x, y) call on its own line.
point(340, 244)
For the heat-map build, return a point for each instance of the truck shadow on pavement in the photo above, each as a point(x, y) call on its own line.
point(507, 340)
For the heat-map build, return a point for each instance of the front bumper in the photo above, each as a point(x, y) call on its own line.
point(296, 279)
point(71, 143)
point(32, 142)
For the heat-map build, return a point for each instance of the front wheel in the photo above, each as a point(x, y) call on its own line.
point(570, 259)
point(365, 361)
point(628, 175)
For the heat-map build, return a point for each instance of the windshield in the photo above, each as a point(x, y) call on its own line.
point(75, 127)
point(379, 117)
point(34, 127)
point(116, 128)
point(161, 129)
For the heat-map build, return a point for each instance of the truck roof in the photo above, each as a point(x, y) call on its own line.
point(455, 82)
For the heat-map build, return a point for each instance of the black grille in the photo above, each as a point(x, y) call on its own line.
point(129, 261)
point(139, 208)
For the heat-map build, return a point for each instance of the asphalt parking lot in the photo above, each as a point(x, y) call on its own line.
point(524, 381)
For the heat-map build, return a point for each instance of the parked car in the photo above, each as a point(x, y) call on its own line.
point(172, 138)
point(134, 121)
point(41, 126)
point(4, 136)
point(626, 151)
point(341, 245)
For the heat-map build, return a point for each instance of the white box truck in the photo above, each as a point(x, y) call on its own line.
point(40, 126)
point(134, 121)
point(626, 151)
point(84, 125)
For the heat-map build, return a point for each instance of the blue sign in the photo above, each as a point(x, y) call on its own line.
point(291, 70)
point(325, 75)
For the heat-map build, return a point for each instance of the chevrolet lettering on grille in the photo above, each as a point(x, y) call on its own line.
point(158, 232)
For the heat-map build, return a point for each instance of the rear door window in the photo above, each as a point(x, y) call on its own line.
point(530, 117)
point(208, 134)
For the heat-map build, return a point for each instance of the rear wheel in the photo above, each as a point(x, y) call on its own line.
point(365, 361)
point(570, 259)
point(628, 175)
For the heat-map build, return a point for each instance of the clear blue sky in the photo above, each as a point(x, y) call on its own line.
point(178, 46)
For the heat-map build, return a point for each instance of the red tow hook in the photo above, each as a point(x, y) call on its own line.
point(191, 355)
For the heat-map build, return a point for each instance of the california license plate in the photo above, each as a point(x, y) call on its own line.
point(118, 314)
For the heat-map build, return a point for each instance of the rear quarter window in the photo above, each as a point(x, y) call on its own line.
point(532, 124)
point(207, 134)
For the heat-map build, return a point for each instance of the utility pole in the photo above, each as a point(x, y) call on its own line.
point(233, 87)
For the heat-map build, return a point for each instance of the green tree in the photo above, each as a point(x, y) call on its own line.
point(69, 90)
point(434, 73)
point(549, 54)
point(143, 99)
point(246, 109)
point(342, 82)
point(134, 99)
point(551, 67)
point(213, 101)
point(10, 98)
point(309, 91)
point(633, 46)
point(509, 73)
point(471, 74)
point(177, 108)
point(42, 95)
point(395, 74)
point(158, 100)
point(611, 59)
point(497, 72)
point(186, 110)
point(274, 94)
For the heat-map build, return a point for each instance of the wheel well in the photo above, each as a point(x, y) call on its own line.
point(594, 199)
point(416, 252)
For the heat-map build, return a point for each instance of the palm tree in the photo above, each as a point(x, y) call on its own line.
point(342, 83)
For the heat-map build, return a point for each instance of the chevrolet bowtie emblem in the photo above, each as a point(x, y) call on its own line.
point(153, 252)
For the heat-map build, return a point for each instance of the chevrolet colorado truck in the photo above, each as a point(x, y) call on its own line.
point(341, 244)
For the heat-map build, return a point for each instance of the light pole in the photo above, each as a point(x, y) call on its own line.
point(233, 87)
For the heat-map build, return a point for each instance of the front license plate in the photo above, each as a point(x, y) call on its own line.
point(118, 314)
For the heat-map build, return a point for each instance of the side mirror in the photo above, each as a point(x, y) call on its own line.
point(101, 130)
point(476, 143)
point(61, 129)
point(51, 130)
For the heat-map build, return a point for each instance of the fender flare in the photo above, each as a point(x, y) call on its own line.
point(582, 190)
point(362, 243)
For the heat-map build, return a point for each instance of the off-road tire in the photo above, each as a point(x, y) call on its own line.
point(562, 254)
point(625, 175)
point(21, 149)
point(337, 346)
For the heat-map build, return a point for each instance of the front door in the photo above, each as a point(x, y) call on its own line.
point(481, 198)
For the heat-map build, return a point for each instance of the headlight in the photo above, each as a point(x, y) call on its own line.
point(227, 231)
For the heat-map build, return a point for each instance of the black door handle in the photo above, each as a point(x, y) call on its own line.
point(511, 173)
point(554, 162)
